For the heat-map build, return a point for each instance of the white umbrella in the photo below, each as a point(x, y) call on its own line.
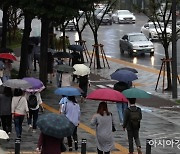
point(81, 70)
point(17, 83)
point(3, 135)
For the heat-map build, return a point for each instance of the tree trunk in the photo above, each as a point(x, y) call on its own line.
point(64, 40)
point(4, 28)
point(44, 50)
point(97, 50)
point(168, 69)
point(24, 47)
point(51, 37)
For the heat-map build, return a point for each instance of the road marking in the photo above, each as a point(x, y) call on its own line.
point(87, 129)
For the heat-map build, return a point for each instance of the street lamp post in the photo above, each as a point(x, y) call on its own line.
point(174, 51)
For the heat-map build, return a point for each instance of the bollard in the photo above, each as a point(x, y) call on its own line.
point(83, 146)
point(17, 145)
point(148, 146)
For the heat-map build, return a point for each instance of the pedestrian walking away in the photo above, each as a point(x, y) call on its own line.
point(121, 106)
point(7, 70)
point(5, 110)
point(19, 109)
point(72, 111)
point(34, 98)
point(48, 144)
point(132, 118)
point(50, 65)
point(84, 84)
point(103, 120)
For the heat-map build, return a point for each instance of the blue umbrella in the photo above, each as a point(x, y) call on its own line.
point(124, 76)
point(75, 47)
point(68, 91)
point(55, 125)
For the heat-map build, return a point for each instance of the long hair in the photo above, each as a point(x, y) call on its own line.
point(18, 92)
point(103, 108)
point(72, 98)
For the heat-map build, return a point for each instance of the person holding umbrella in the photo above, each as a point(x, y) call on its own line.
point(72, 111)
point(103, 121)
point(49, 144)
point(19, 109)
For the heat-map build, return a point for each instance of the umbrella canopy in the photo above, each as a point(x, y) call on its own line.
point(75, 47)
point(6, 50)
point(107, 94)
point(36, 84)
point(17, 83)
point(3, 135)
point(1, 65)
point(55, 125)
point(7, 56)
point(64, 68)
point(128, 68)
point(81, 70)
point(120, 86)
point(62, 55)
point(68, 91)
point(136, 93)
point(124, 76)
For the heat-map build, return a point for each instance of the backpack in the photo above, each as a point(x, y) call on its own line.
point(135, 118)
point(32, 101)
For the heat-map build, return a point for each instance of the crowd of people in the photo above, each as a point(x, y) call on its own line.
point(16, 108)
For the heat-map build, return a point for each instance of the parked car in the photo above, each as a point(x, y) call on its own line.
point(123, 16)
point(107, 19)
point(151, 30)
point(136, 44)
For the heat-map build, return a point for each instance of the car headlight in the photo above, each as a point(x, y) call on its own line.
point(152, 50)
point(134, 50)
point(153, 33)
point(121, 18)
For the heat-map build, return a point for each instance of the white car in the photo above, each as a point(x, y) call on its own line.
point(123, 16)
point(151, 32)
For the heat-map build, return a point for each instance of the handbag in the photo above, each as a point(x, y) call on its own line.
point(113, 126)
point(63, 147)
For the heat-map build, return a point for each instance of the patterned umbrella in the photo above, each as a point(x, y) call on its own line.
point(55, 125)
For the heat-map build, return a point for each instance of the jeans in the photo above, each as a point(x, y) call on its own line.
point(74, 137)
point(33, 114)
point(6, 121)
point(101, 152)
point(133, 134)
point(18, 120)
point(121, 107)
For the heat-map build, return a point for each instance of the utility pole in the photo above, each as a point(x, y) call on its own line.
point(174, 51)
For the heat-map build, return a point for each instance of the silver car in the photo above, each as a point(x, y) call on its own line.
point(123, 16)
point(136, 44)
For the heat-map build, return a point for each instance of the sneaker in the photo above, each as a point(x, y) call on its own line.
point(30, 127)
point(70, 148)
point(139, 150)
point(76, 145)
point(34, 130)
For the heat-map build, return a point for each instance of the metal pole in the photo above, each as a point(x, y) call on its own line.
point(148, 146)
point(83, 146)
point(17, 145)
point(174, 51)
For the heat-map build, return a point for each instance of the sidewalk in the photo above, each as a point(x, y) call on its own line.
point(160, 105)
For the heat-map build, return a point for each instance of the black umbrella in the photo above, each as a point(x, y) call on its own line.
point(128, 68)
point(6, 50)
point(62, 55)
point(75, 47)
